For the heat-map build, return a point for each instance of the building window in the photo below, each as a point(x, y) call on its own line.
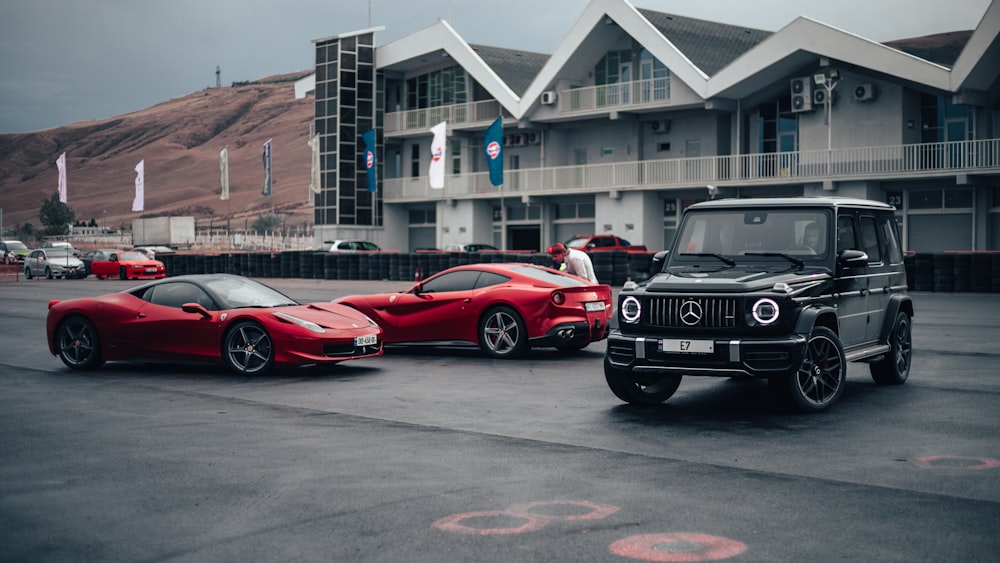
point(415, 160)
point(456, 156)
point(439, 88)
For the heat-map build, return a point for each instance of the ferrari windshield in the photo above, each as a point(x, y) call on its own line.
point(242, 292)
point(732, 236)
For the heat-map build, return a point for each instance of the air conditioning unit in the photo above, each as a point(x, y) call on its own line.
point(819, 97)
point(864, 93)
point(548, 97)
point(802, 94)
point(660, 126)
point(533, 138)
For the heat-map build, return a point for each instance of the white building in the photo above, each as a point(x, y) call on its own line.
point(639, 114)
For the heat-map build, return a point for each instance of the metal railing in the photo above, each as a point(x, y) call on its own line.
point(895, 161)
point(471, 113)
point(654, 91)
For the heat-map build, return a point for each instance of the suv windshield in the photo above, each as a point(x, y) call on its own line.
point(753, 235)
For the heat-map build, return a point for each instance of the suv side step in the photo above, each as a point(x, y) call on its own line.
point(865, 353)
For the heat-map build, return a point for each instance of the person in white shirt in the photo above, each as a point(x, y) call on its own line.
point(576, 262)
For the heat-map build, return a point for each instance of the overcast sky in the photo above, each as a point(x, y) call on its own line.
point(64, 61)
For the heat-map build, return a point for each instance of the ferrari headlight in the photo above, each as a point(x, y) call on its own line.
point(631, 310)
point(765, 311)
point(308, 325)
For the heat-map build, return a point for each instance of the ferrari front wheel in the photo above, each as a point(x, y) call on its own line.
point(247, 349)
point(78, 343)
point(502, 333)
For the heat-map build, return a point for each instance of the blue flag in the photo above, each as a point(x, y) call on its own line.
point(370, 162)
point(493, 144)
point(267, 168)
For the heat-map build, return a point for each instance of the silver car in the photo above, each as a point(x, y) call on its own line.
point(53, 263)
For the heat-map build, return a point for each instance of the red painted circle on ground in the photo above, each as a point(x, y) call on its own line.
point(453, 523)
point(677, 547)
point(597, 511)
point(929, 462)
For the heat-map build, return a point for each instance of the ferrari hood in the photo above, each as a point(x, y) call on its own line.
point(329, 315)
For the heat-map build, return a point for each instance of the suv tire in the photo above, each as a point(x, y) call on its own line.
point(638, 390)
point(819, 382)
point(894, 368)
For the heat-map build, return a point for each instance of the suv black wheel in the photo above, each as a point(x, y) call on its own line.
point(895, 367)
point(819, 382)
point(639, 389)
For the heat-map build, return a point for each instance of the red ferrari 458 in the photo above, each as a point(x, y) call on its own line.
point(209, 318)
point(504, 308)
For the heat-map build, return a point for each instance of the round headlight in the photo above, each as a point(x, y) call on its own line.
point(631, 310)
point(766, 311)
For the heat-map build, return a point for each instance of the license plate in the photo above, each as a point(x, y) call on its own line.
point(367, 340)
point(687, 346)
point(594, 306)
point(150, 270)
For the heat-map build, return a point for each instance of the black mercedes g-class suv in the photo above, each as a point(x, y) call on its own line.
point(787, 289)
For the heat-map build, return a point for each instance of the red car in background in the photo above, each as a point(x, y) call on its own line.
point(123, 264)
point(504, 308)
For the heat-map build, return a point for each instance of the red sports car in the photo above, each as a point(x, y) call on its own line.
point(210, 318)
point(505, 308)
point(123, 265)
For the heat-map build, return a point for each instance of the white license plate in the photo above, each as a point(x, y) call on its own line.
point(150, 270)
point(594, 306)
point(367, 340)
point(687, 346)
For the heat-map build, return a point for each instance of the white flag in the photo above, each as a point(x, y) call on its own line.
point(437, 156)
point(138, 202)
point(224, 173)
point(314, 182)
point(61, 165)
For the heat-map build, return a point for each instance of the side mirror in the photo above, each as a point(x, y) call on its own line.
point(853, 258)
point(196, 308)
point(659, 259)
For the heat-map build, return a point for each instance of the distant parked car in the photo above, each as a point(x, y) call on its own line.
point(154, 251)
point(62, 244)
point(603, 243)
point(53, 263)
point(350, 246)
point(13, 249)
point(473, 247)
point(124, 265)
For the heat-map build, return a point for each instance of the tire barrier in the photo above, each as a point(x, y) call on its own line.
point(976, 272)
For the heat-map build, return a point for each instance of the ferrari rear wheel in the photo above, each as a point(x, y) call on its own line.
point(247, 349)
point(502, 333)
point(78, 344)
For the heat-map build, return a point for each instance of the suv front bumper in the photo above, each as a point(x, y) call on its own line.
point(738, 357)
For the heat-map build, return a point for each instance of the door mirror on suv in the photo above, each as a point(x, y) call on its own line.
point(853, 258)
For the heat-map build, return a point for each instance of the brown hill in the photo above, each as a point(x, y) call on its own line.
point(180, 142)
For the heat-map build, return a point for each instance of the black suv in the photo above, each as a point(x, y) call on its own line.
point(789, 290)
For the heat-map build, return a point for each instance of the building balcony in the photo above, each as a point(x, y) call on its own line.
point(896, 162)
point(459, 116)
point(652, 93)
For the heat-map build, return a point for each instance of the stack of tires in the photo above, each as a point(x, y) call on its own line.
point(923, 272)
point(944, 272)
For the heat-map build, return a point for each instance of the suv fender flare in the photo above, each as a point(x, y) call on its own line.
point(897, 303)
point(812, 316)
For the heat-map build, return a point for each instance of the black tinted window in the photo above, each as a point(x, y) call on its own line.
point(462, 280)
point(869, 239)
point(177, 294)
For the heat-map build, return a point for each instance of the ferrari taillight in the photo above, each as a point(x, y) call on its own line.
point(558, 297)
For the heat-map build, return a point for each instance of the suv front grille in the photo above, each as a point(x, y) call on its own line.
point(693, 312)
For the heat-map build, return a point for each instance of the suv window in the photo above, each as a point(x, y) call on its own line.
point(869, 240)
point(891, 241)
point(846, 239)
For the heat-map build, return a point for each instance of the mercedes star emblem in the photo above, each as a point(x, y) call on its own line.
point(690, 313)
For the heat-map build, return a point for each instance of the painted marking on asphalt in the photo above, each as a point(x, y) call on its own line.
point(935, 462)
point(484, 523)
point(681, 546)
point(454, 523)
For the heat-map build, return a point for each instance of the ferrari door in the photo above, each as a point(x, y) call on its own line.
point(439, 309)
point(163, 330)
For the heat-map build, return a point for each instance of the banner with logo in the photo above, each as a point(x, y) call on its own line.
point(267, 168)
point(140, 172)
point(224, 173)
point(61, 165)
point(493, 144)
point(370, 162)
point(437, 156)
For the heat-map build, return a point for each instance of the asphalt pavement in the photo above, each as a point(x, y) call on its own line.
point(430, 454)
